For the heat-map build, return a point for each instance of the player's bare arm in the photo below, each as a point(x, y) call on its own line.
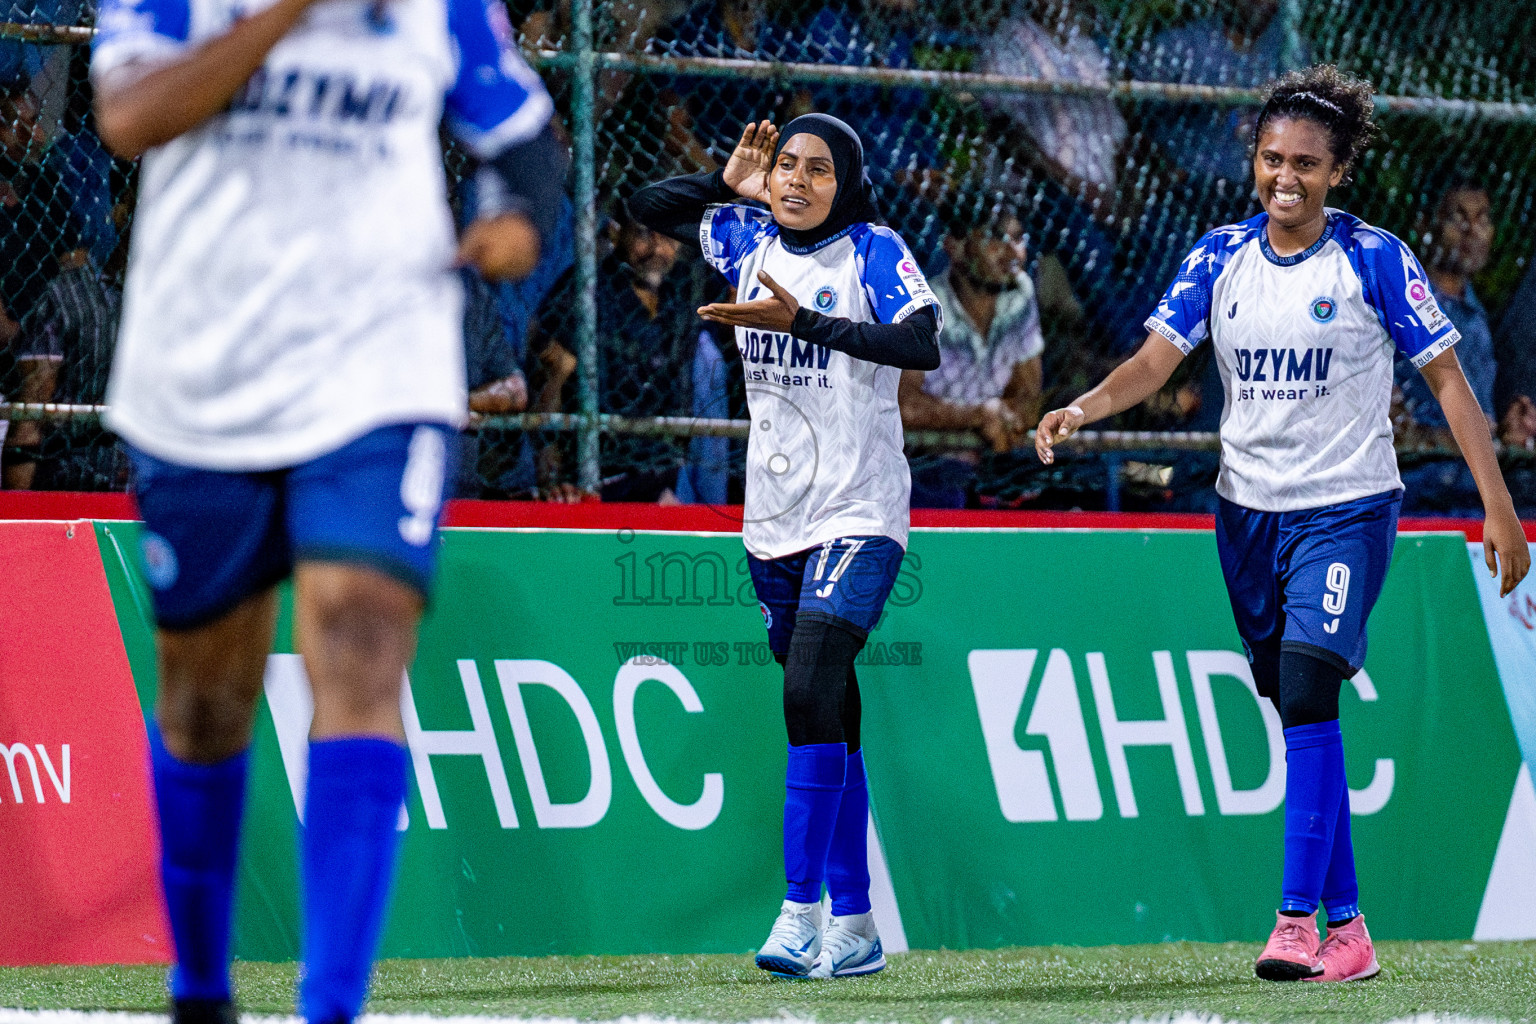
point(138, 109)
point(1504, 545)
point(1130, 384)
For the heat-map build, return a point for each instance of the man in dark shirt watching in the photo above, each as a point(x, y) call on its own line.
point(1457, 244)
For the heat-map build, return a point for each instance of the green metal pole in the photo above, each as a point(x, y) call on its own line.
point(584, 131)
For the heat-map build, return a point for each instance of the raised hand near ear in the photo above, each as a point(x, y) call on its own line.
point(751, 160)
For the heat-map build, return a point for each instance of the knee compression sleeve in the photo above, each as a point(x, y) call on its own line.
point(816, 676)
point(1309, 689)
point(853, 712)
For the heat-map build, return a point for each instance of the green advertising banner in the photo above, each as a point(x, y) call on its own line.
point(1064, 746)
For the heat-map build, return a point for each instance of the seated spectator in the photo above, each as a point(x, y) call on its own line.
point(1514, 349)
point(1077, 137)
point(989, 377)
point(1241, 44)
point(1074, 145)
point(492, 463)
point(64, 355)
point(648, 335)
point(1457, 245)
point(38, 235)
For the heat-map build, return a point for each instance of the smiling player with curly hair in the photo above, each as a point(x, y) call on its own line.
point(1304, 305)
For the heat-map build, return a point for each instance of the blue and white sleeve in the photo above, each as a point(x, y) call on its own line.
point(497, 100)
point(1396, 287)
point(135, 30)
point(728, 234)
point(893, 282)
point(1184, 314)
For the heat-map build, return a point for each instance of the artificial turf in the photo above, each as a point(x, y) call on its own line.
point(1045, 984)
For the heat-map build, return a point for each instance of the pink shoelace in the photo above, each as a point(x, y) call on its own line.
point(1293, 938)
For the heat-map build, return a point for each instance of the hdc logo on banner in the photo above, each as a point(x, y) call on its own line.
point(288, 695)
point(1001, 679)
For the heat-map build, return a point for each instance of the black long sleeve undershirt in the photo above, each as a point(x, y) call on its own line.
point(912, 344)
point(676, 206)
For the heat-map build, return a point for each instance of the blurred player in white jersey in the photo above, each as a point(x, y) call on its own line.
point(1305, 305)
point(288, 379)
point(830, 310)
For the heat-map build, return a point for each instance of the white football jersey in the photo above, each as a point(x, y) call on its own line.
point(824, 458)
point(1305, 344)
point(290, 285)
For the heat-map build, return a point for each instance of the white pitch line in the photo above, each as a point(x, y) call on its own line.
point(15, 1016)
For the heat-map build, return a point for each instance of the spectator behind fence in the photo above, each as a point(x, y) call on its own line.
point(1457, 245)
point(647, 336)
point(85, 165)
point(1515, 353)
point(64, 354)
point(1075, 142)
point(989, 374)
point(1241, 44)
point(37, 230)
point(492, 464)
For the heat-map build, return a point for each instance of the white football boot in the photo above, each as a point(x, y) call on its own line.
point(794, 941)
point(850, 947)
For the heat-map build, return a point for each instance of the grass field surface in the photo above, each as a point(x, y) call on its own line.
point(1492, 981)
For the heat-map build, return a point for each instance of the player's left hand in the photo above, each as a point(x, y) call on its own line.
point(502, 248)
point(775, 314)
point(1504, 546)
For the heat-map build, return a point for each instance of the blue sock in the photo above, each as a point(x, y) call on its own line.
point(356, 785)
point(848, 861)
point(200, 808)
point(1314, 785)
point(813, 788)
point(1341, 890)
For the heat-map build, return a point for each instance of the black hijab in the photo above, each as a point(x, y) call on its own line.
point(854, 202)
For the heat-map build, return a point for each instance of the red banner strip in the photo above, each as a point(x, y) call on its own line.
point(593, 515)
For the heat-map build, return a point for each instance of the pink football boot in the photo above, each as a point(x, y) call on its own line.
point(1347, 953)
point(1292, 951)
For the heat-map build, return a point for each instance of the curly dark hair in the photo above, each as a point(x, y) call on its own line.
point(1339, 102)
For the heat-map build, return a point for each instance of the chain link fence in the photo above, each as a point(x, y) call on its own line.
point(1059, 156)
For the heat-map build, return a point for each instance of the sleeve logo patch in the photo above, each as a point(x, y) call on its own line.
point(1423, 302)
point(907, 267)
point(826, 298)
point(1323, 309)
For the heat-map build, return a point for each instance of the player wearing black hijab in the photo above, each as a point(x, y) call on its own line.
point(831, 309)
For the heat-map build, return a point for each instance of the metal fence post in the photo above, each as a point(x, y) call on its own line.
point(584, 133)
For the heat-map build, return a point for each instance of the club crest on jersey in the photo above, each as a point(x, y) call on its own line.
point(767, 615)
point(826, 298)
point(1323, 309)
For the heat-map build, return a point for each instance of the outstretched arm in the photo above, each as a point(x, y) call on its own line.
point(912, 344)
point(136, 112)
point(1504, 545)
point(1130, 384)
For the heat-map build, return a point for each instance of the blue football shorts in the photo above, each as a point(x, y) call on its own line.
point(844, 581)
point(212, 539)
point(1308, 578)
